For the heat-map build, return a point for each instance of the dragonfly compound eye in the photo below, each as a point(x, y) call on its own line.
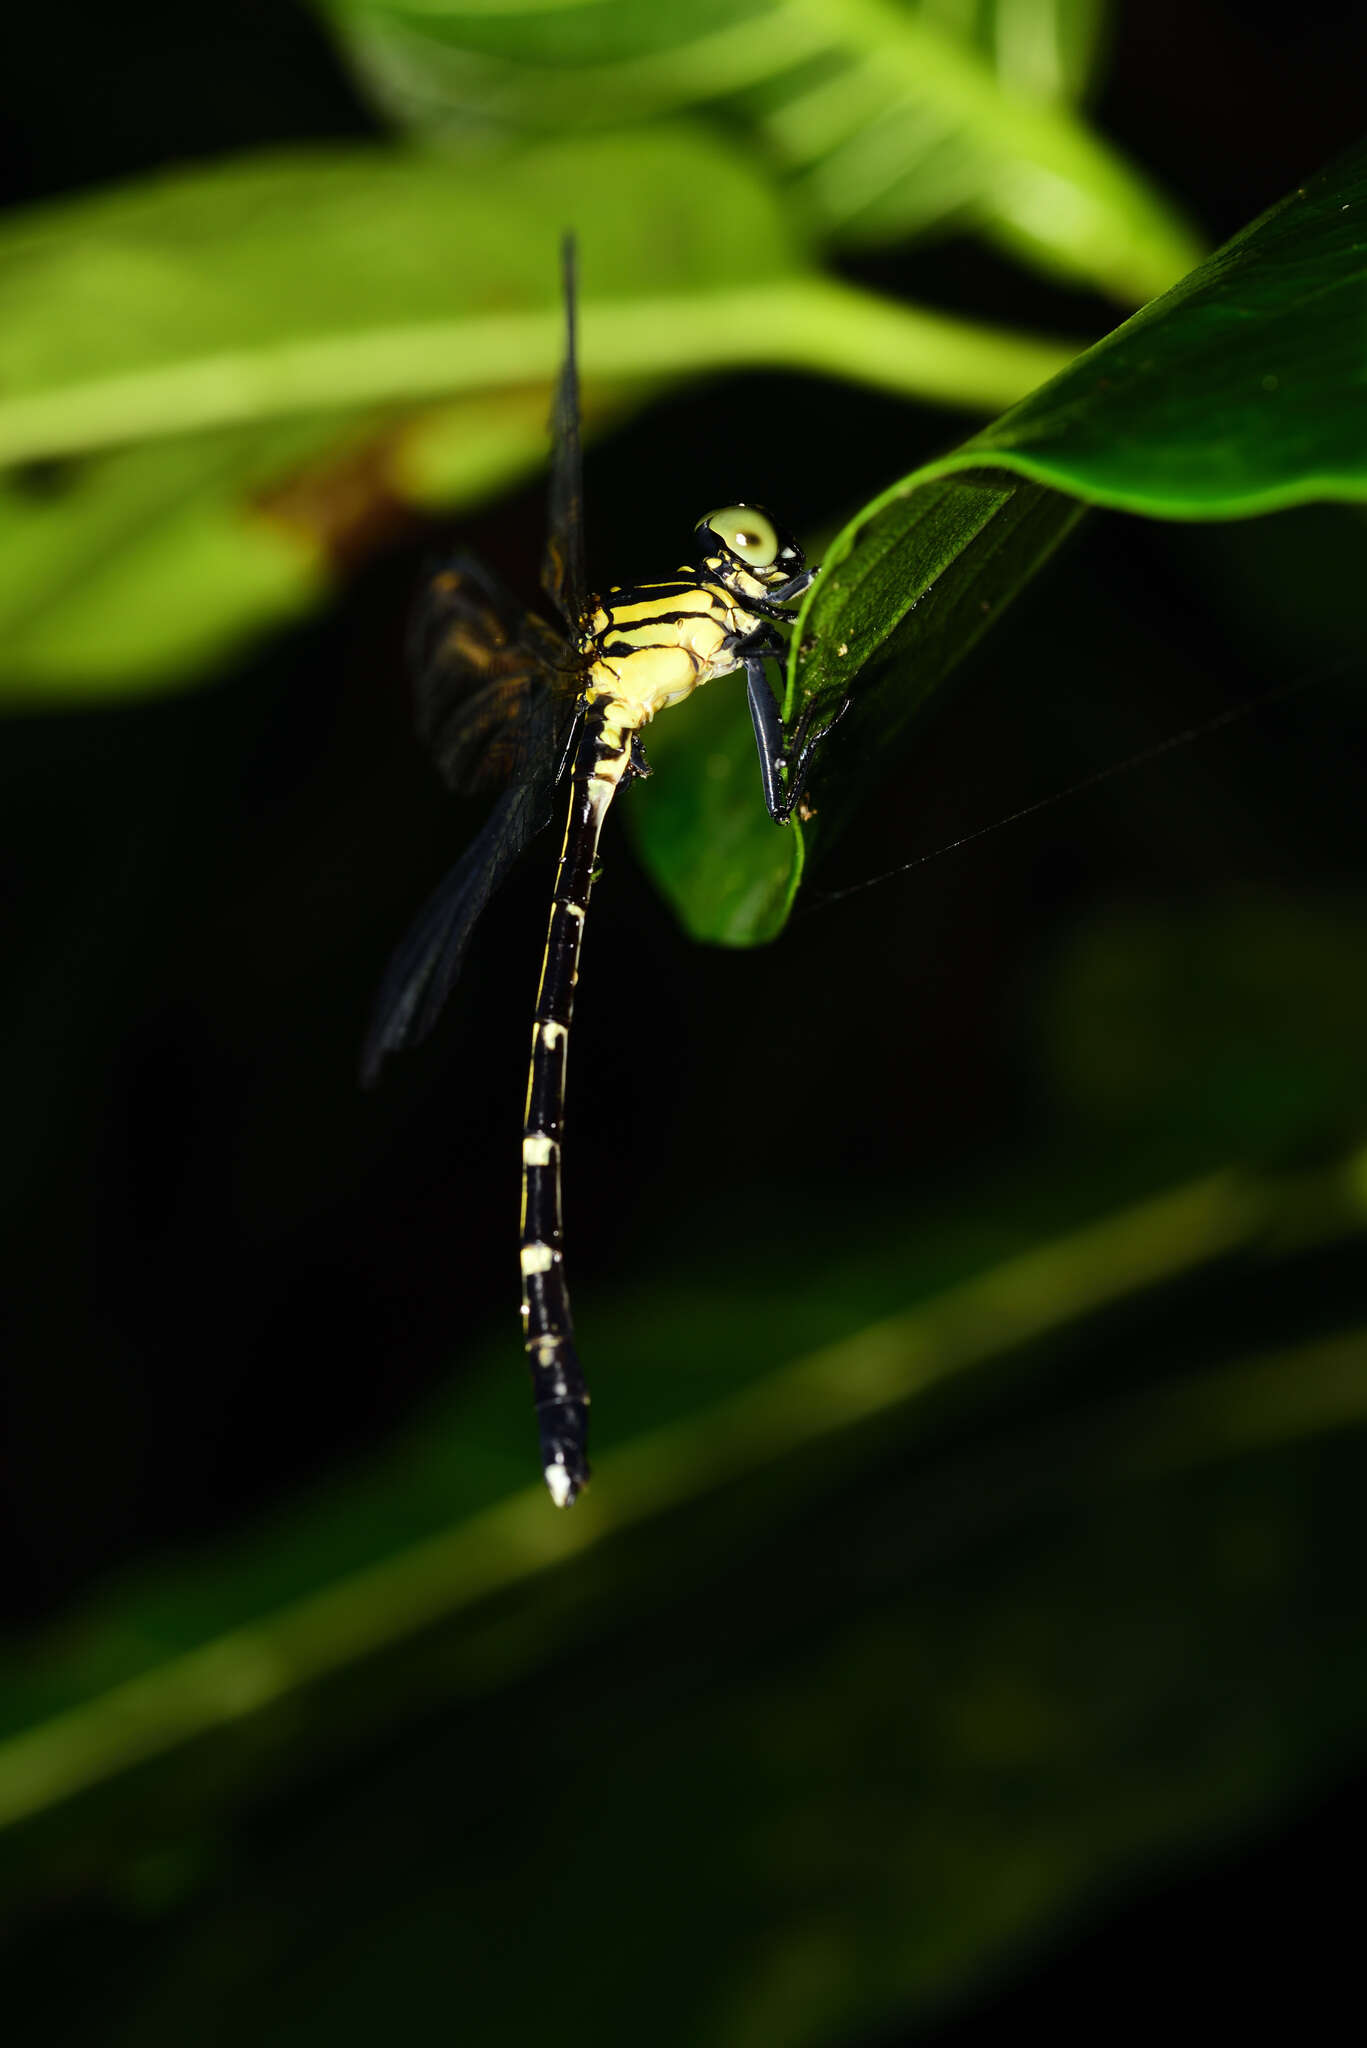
point(747, 532)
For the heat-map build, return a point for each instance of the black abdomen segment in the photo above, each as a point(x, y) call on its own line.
point(558, 1386)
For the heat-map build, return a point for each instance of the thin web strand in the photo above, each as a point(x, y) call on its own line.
point(1184, 738)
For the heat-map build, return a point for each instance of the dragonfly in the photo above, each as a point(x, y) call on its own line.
point(508, 700)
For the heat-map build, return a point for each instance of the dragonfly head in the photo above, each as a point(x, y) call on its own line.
point(742, 541)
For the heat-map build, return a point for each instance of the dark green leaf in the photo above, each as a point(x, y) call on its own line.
point(1091, 1612)
point(701, 827)
point(1240, 391)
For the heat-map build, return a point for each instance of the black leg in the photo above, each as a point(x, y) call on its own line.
point(794, 587)
point(764, 716)
point(785, 758)
point(802, 746)
point(774, 604)
point(571, 742)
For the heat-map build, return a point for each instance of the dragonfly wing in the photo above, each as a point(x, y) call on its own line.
point(484, 670)
point(563, 575)
point(423, 971)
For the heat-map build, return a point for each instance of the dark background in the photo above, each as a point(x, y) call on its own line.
point(232, 1270)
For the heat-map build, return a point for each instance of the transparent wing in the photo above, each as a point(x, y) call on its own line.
point(423, 971)
point(563, 574)
point(496, 699)
point(481, 667)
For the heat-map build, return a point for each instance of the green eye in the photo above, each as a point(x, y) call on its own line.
point(748, 533)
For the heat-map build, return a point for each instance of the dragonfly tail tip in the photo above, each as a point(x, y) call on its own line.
point(564, 1461)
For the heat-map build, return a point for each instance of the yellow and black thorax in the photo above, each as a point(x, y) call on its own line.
point(650, 645)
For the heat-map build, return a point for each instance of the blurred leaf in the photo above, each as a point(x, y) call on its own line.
point(293, 283)
point(986, 1609)
point(889, 118)
point(1048, 49)
point(1244, 1021)
point(147, 566)
point(279, 329)
point(741, 1422)
point(871, 1807)
point(142, 564)
point(1238, 392)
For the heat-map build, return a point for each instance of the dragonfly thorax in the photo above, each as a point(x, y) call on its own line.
point(655, 643)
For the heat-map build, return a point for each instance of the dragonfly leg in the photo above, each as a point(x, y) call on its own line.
point(768, 724)
point(785, 757)
point(803, 742)
point(794, 587)
point(774, 604)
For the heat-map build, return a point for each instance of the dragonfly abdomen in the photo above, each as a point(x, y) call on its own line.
point(558, 1387)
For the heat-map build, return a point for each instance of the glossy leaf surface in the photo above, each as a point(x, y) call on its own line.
point(1241, 391)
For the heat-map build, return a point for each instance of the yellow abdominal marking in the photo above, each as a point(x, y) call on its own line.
point(538, 1149)
point(537, 1258)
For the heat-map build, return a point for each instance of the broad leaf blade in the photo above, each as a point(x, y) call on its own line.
point(939, 572)
point(899, 614)
point(322, 279)
point(889, 119)
point(197, 314)
point(1242, 390)
point(1168, 1523)
point(701, 828)
point(264, 365)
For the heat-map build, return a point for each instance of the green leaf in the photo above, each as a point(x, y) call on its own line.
point(1047, 49)
point(1090, 1608)
point(889, 119)
point(966, 546)
point(1243, 1020)
point(145, 1683)
point(1240, 391)
point(261, 364)
point(289, 284)
point(702, 831)
point(282, 286)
